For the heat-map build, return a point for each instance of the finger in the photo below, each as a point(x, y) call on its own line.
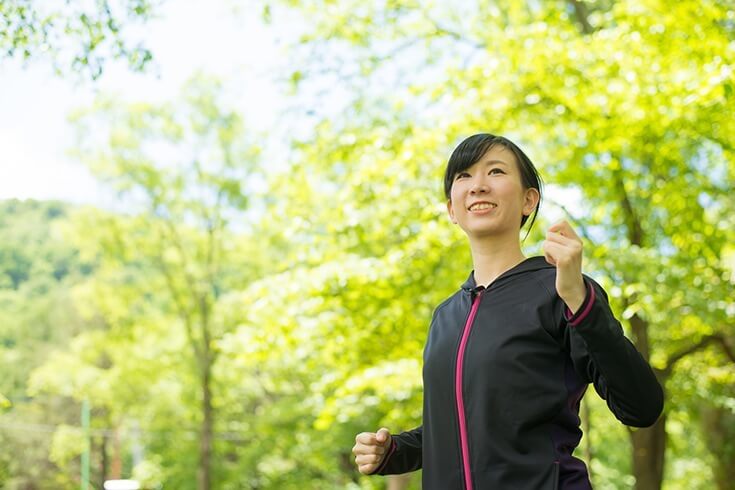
point(360, 448)
point(555, 236)
point(363, 459)
point(559, 226)
point(548, 255)
point(368, 449)
point(366, 469)
point(382, 435)
point(557, 250)
point(561, 255)
point(565, 229)
point(366, 438)
point(571, 243)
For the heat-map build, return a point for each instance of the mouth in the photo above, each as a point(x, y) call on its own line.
point(481, 206)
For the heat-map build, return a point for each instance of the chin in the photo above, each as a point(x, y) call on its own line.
point(488, 232)
point(482, 233)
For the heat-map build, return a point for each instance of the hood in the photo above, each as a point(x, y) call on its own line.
point(529, 265)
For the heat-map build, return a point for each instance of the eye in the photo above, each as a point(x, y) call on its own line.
point(461, 175)
point(496, 170)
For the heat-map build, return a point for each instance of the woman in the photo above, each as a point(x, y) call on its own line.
point(509, 356)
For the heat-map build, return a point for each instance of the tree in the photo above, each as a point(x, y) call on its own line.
point(37, 271)
point(174, 257)
point(73, 36)
point(611, 98)
point(251, 335)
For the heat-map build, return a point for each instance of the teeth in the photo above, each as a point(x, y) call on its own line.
point(481, 206)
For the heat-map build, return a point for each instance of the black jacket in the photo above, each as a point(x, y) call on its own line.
point(504, 371)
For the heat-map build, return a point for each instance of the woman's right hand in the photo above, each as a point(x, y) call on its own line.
point(370, 449)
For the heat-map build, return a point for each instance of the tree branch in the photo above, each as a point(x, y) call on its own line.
point(635, 232)
point(582, 14)
point(457, 36)
point(184, 314)
point(576, 221)
point(703, 342)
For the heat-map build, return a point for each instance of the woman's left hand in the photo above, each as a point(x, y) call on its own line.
point(563, 249)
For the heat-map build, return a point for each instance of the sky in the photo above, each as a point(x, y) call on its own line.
point(35, 135)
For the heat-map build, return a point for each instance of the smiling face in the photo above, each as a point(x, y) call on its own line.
point(488, 198)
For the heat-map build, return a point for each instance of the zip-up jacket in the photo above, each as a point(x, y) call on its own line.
point(505, 368)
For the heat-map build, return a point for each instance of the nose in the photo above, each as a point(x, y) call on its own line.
point(479, 186)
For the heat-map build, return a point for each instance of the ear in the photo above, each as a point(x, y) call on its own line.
point(450, 211)
point(530, 200)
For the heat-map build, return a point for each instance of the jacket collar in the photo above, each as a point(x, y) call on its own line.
point(529, 265)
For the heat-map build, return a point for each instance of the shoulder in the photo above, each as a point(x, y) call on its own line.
point(543, 274)
point(543, 280)
point(451, 299)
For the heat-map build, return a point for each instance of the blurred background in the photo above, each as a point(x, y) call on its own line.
point(223, 234)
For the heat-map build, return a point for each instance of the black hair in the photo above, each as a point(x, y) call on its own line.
point(472, 149)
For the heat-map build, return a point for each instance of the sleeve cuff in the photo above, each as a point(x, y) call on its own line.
point(575, 319)
point(390, 452)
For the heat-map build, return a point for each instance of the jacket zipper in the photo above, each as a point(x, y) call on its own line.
point(458, 393)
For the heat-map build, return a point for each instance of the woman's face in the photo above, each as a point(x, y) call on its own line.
point(488, 198)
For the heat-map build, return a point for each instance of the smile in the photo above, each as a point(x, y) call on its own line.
point(481, 206)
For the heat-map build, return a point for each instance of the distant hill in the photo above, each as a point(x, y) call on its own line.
point(30, 246)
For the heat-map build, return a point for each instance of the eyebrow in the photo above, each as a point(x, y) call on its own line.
point(489, 162)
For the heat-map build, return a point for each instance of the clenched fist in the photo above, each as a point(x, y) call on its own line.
point(370, 449)
point(563, 249)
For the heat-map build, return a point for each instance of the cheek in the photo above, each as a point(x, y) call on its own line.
point(459, 189)
point(515, 193)
point(455, 196)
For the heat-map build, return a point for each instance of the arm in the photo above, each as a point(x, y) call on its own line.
point(404, 455)
point(599, 351)
point(602, 355)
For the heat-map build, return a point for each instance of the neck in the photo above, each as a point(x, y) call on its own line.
point(493, 256)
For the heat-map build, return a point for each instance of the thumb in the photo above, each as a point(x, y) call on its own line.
point(382, 435)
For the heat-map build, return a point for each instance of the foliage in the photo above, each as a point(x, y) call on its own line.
point(37, 269)
point(305, 288)
point(73, 36)
point(622, 101)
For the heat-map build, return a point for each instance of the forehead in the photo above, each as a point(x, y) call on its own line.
point(497, 154)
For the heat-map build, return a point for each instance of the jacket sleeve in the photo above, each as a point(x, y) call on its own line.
point(602, 355)
point(404, 454)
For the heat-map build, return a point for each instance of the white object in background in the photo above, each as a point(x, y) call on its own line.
point(122, 485)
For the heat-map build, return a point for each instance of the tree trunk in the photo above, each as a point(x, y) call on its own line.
point(398, 482)
point(718, 428)
point(116, 465)
point(104, 461)
point(648, 455)
point(204, 477)
point(649, 445)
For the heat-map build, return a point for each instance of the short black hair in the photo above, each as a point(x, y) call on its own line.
point(472, 149)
